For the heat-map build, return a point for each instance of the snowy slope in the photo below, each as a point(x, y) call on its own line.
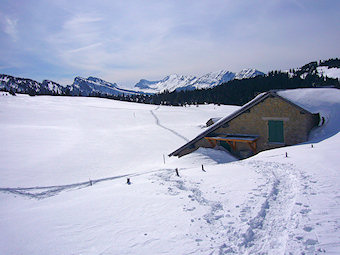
point(22, 85)
point(267, 204)
point(328, 68)
point(92, 85)
point(170, 83)
point(183, 82)
point(247, 73)
point(329, 72)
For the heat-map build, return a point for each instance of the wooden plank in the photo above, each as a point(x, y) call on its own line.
point(211, 141)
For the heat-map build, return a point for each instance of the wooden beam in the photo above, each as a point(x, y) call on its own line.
point(232, 145)
point(211, 141)
point(253, 146)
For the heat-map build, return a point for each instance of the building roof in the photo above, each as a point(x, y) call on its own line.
point(259, 98)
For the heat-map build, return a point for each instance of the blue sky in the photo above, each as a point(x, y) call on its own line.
point(124, 41)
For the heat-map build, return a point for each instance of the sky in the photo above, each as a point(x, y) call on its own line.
point(125, 41)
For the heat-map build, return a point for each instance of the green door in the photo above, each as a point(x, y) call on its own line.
point(275, 129)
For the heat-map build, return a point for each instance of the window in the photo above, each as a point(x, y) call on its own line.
point(275, 131)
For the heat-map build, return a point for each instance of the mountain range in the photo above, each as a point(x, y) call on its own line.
point(93, 86)
point(188, 82)
point(90, 86)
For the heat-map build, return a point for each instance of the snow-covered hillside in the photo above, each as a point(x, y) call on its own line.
point(247, 73)
point(328, 68)
point(23, 85)
point(64, 164)
point(92, 85)
point(329, 72)
point(183, 82)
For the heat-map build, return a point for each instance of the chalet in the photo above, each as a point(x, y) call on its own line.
point(268, 121)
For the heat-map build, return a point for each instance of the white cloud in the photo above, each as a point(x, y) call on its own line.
point(10, 27)
point(127, 40)
point(85, 48)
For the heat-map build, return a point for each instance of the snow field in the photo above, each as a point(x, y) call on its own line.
point(267, 204)
point(48, 137)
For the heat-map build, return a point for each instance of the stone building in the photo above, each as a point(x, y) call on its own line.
point(268, 121)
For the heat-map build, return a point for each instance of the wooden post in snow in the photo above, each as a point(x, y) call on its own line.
point(177, 172)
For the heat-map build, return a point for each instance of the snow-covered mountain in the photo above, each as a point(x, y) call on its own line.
point(170, 83)
point(214, 78)
point(28, 86)
point(96, 86)
point(92, 85)
point(80, 87)
point(184, 82)
point(247, 73)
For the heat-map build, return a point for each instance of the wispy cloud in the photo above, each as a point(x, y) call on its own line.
point(85, 48)
point(10, 27)
point(123, 41)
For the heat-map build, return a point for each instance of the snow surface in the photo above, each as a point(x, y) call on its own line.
point(329, 72)
point(64, 163)
point(247, 73)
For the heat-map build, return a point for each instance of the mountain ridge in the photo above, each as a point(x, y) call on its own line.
point(93, 86)
point(188, 82)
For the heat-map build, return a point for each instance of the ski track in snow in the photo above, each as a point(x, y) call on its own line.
point(48, 191)
point(270, 216)
point(166, 128)
point(41, 192)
